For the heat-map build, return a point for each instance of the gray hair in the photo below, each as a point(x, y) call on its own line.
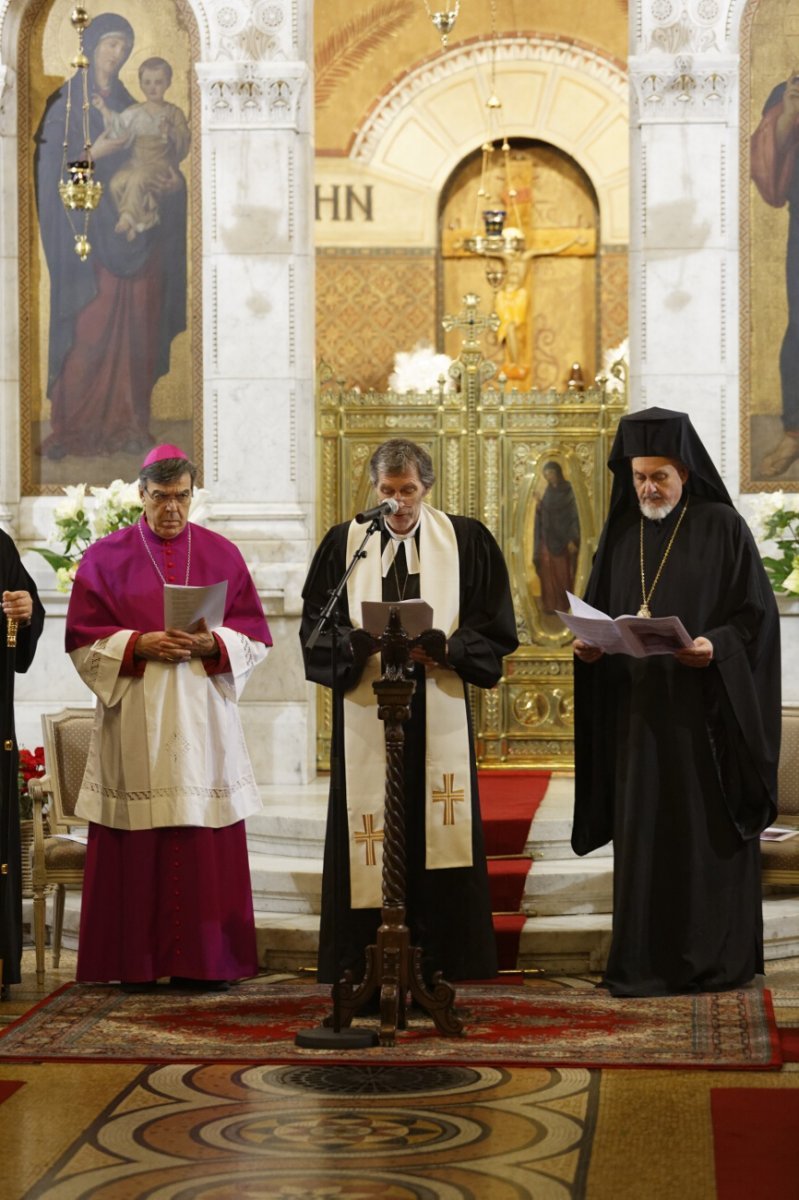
point(397, 457)
point(167, 470)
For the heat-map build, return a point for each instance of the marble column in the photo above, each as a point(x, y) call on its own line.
point(257, 158)
point(685, 306)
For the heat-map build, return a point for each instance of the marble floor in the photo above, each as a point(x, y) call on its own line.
point(122, 1131)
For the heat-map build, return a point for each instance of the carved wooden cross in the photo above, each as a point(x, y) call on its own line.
point(448, 796)
point(368, 837)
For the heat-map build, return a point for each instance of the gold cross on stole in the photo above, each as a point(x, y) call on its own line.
point(368, 837)
point(448, 796)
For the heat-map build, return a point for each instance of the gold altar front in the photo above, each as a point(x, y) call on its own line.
point(490, 448)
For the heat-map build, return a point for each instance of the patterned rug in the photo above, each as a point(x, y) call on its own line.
point(505, 1026)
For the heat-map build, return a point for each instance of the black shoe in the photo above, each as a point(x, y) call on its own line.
point(200, 985)
point(143, 986)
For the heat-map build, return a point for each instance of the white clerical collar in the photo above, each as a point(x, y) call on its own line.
point(395, 540)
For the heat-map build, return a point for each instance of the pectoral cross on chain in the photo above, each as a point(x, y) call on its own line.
point(368, 837)
point(449, 796)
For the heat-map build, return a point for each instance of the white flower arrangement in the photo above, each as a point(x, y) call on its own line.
point(614, 367)
point(88, 514)
point(420, 369)
point(776, 529)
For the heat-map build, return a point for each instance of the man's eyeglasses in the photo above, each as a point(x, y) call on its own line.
point(162, 498)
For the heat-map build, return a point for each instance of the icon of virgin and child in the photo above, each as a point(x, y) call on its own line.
point(113, 318)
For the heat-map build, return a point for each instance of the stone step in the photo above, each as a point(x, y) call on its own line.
point(285, 883)
point(567, 945)
point(293, 822)
point(551, 828)
point(288, 883)
point(568, 887)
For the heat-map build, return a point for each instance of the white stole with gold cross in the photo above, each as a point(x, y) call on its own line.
point(448, 799)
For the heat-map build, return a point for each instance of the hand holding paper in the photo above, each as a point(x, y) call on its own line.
point(638, 636)
point(185, 607)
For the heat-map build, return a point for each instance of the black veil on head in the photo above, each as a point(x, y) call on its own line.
point(661, 433)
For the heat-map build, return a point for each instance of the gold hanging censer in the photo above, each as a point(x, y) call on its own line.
point(444, 19)
point(77, 187)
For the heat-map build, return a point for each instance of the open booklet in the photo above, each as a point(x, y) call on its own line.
point(416, 616)
point(638, 636)
point(778, 833)
point(185, 607)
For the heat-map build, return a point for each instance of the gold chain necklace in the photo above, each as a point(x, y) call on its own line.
point(644, 610)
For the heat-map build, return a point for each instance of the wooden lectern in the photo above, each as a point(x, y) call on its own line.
point(393, 965)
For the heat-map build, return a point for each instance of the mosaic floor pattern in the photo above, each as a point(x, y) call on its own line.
point(322, 1132)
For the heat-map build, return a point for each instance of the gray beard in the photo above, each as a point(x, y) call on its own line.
point(655, 512)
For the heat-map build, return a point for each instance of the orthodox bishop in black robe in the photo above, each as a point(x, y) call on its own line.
point(13, 578)
point(448, 909)
point(678, 766)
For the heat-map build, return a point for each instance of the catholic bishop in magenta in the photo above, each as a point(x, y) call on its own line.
point(168, 781)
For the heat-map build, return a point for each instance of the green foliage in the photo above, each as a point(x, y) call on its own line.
point(84, 516)
point(780, 528)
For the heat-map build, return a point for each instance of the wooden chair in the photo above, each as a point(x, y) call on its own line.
point(57, 860)
point(781, 859)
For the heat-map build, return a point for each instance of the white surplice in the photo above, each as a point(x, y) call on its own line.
point(167, 747)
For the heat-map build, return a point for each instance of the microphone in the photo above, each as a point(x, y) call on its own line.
point(384, 509)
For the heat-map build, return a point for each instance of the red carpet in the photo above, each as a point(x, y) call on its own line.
point(789, 1044)
point(506, 879)
point(508, 802)
point(505, 1025)
point(8, 1087)
point(507, 932)
point(755, 1143)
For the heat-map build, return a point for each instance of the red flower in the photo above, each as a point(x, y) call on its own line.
point(31, 766)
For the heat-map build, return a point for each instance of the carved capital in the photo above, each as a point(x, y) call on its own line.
point(252, 30)
point(262, 95)
point(684, 87)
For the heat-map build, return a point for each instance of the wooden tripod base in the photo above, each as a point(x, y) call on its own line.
point(394, 969)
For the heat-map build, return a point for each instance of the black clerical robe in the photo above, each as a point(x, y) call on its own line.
point(13, 578)
point(448, 910)
point(678, 765)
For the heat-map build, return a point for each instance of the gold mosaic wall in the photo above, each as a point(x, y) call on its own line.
point(368, 305)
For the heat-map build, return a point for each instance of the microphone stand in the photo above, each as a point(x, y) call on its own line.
point(333, 1037)
point(6, 794)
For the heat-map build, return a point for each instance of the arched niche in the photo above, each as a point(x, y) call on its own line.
point(547, 295)
point(551, 89)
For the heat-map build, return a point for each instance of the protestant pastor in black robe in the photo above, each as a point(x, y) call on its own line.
point(13, 578)
point(678, 766)
point(448, 910)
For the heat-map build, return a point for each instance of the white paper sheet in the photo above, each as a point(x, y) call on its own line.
point(416, 616)
point(184, 607)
